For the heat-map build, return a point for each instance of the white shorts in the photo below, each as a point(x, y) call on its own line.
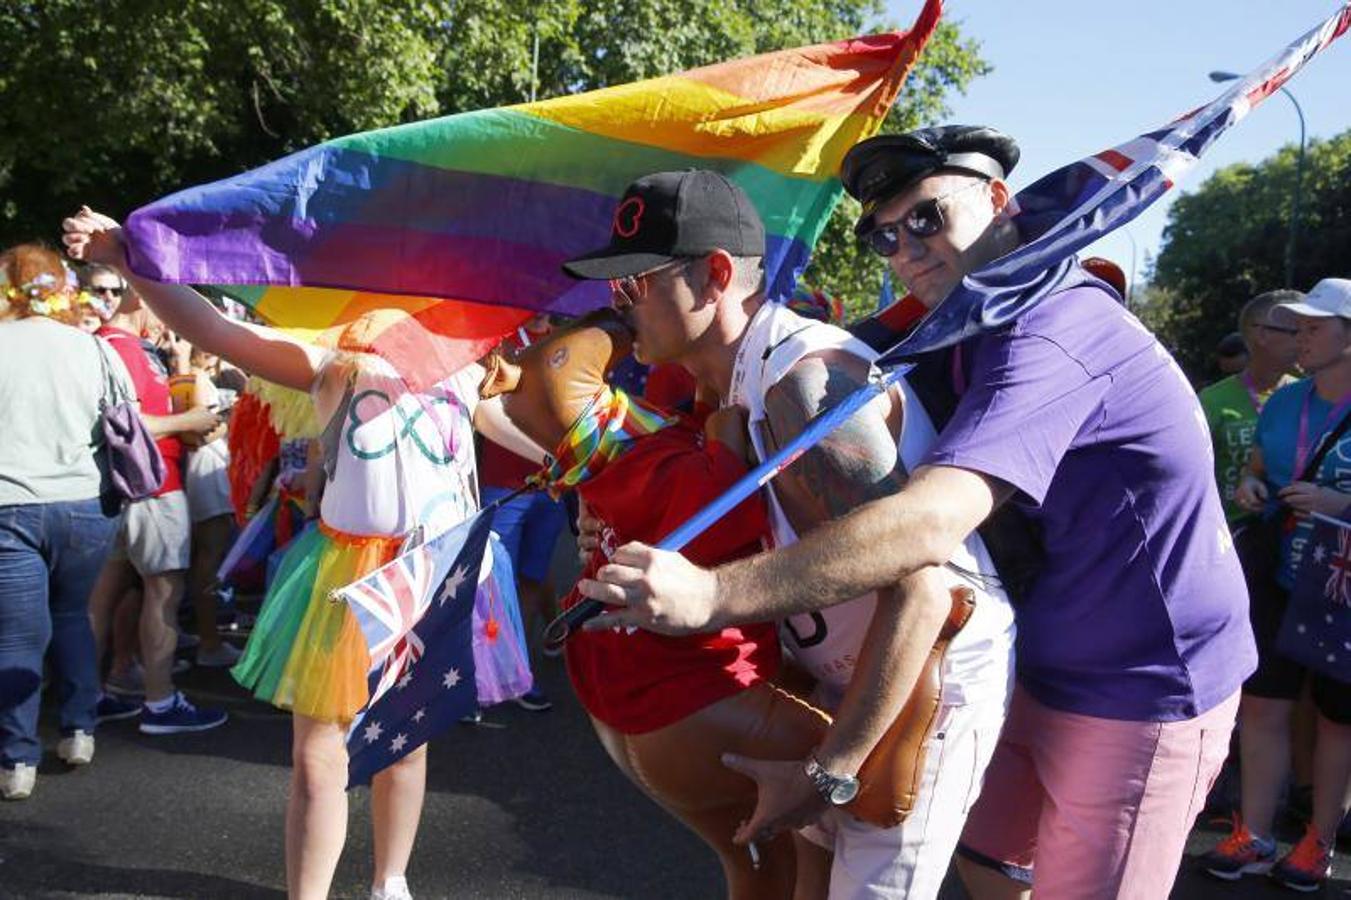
point(155, 535)
point(206, 481)
point(911, 860)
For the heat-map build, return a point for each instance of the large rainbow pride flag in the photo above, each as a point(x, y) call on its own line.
point(463, 221)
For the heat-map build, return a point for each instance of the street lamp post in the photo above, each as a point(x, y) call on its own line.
point(1299, 182)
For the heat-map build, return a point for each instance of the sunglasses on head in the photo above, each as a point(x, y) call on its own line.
point(629, 290)
point(923, 220)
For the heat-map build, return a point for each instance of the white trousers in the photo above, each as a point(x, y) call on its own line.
point(909, 862)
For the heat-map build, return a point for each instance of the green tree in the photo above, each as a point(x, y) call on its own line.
point(117, 102)
point(1225, 243)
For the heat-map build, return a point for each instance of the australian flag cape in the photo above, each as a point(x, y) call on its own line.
point(1076, 205)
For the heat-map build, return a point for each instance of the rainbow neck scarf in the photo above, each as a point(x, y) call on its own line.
point(605, 431)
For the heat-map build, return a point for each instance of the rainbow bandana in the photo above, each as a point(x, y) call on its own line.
point(605, 431)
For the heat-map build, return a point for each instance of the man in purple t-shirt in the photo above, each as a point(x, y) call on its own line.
point(1133, 638)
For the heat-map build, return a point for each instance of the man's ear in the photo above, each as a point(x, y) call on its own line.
point(721, 270)
point(999, 198)
point(501, 376)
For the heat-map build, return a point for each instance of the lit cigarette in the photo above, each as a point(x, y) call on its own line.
point(755, 855)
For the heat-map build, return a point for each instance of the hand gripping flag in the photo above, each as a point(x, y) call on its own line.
point(1076, 205)
point(464, 221)
point(416, 614)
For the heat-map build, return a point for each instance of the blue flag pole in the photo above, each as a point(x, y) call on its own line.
point(821, 425)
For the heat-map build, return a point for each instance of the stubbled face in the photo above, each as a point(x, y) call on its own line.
point(666, 317)
point(930, 267)
point(1321, 341)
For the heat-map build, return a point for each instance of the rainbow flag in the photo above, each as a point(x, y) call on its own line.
point(465, 220)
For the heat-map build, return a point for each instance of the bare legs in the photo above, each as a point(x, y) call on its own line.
point(396, 808)
point(159, 634)
point(210, 543)
point(316, 812)
point(1264, 745)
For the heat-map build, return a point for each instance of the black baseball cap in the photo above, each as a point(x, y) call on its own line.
point(881, 167)
point(670, 215)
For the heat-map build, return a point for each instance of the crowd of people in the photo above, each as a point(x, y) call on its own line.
point(1008, 614)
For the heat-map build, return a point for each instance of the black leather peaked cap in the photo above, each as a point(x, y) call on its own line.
point(670, 215)
point(881, 167)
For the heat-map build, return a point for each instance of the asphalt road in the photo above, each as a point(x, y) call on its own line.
point(525, 805)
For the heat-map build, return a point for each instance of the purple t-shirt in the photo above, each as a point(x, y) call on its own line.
point(1141, 612)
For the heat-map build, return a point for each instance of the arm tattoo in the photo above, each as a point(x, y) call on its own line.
point(856, 463)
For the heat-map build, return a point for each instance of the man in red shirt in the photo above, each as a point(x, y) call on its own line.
point(665, 708)
point(153, 538)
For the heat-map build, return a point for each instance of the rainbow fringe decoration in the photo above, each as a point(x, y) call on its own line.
point(604, 431)
point(481, 208)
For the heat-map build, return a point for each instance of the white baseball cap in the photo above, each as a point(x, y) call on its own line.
point(1330, 297)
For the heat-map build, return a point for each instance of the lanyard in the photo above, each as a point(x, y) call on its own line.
point(1302, 447)
point(1253, 395)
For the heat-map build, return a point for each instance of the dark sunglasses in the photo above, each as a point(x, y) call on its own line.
point(1277, 328)
point(923, 220)
point(111, 291)
point(629, 290)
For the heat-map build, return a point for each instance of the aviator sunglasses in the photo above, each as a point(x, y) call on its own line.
point(629, 290)
point(923, 220)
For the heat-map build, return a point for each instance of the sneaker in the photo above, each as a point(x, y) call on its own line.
point(394, 888)
point(127, 683)
point(181, 717)
point(17, 783)
point(110, 709)
point(1241, 853)
point(1306, 867)
point(535, 701)
point(76, 749)
point(222, 657)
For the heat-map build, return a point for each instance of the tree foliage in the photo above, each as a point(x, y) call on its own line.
point(117, 102)
point(1225, 243)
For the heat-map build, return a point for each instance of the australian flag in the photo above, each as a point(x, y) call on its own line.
point(416, 613)
point(1075, 205)
point(1316, 630)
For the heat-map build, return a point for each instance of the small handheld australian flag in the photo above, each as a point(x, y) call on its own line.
point(1316, 630)
point(416, 613)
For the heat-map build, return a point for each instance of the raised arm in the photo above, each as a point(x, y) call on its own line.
point(266, 352)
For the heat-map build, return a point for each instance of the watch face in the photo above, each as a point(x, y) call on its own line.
point(844, 792)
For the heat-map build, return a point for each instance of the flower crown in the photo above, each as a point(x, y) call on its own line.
point(45, 296)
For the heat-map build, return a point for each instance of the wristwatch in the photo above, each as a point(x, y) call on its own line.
point(837, 790)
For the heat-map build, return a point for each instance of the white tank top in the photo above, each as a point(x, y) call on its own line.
point(404, 458)
point(827, 642)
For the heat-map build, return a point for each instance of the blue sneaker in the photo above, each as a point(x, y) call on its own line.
point(110, 709)
point(535, 700)
point(181, 717)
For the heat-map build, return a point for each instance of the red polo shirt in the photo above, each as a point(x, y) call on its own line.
point(152, 391)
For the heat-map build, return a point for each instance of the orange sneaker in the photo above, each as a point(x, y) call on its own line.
point(1241, 853)
point(1307, 866)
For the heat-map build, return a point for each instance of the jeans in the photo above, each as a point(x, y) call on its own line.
point(50, 555)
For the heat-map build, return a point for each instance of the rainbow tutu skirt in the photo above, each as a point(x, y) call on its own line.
point(306, 653)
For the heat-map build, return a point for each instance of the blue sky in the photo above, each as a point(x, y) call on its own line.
point(1072, 78)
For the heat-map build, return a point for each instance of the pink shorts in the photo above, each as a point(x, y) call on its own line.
point(1102, 806)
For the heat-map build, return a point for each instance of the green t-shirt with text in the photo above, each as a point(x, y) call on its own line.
point(1232, 420)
